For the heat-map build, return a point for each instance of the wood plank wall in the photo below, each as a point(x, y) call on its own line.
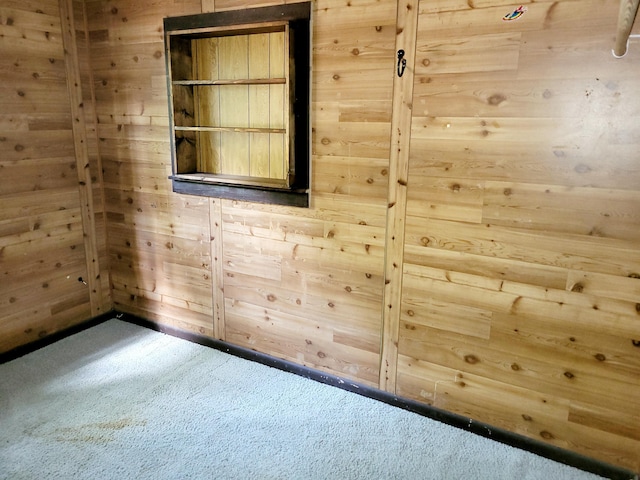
point(521, 295)
point(521, 214)
point(44, 226)
point(518, 289)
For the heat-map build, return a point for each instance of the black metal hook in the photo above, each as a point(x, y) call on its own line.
point(402, 62)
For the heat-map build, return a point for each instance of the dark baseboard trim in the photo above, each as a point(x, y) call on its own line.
point(500, 435)
point(54, 337)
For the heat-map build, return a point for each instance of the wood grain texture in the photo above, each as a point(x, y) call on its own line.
point(51, 234)
point(518, 283)
point(520, 276)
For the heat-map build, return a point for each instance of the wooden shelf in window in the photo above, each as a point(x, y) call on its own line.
point(230, 129)
point(239, 81)
point(239, 102)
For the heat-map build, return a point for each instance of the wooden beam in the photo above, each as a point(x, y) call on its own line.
point(85, 190)
point(626, 17)
point(406, 28)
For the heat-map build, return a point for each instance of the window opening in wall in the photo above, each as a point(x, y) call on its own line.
point(238, 86)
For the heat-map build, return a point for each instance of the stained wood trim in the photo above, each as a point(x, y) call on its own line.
point(284, 13)
point(626, 16)
point(217, 252)
point(407, 27)
point(85, 188)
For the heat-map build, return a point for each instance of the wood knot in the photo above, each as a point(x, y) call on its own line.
point(271, 297)
point(322, 354)
point(600, 357)
point(336, 76)
point(348, 289)
point(578, 287)
point(411, 313)
point(425, 241)
point(507, 192)
point(546, 435)
point(527, 418)
point(325, 141)
point(496, 99)
point(426, 62)
point(455, 187)
point(569, 375)
point(355, 52)
point(515, 367)
point(471, 359)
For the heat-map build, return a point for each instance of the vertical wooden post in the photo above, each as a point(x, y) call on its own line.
point(406, 28)
point(85, 188)
point(626, 16)
point(215, 222)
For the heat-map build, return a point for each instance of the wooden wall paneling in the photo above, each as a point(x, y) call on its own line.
point(286, 267)
point(521, 231)
point(42, 252)
point(519, 254)
point(407, 24)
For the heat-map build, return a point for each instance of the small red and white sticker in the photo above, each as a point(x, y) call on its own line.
point(516, 14)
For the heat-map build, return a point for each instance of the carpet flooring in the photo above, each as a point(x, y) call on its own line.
point(118, 401)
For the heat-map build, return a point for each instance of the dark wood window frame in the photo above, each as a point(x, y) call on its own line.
point(293, 188)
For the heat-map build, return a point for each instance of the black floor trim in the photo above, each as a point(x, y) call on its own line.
point(500, 435)
point(54, 337)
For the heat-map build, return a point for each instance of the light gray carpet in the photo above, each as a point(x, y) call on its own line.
point(119, 401)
